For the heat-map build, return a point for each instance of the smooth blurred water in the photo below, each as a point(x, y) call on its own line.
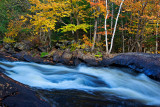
point(105, 80)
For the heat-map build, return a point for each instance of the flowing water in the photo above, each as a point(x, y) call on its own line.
point(112, 81)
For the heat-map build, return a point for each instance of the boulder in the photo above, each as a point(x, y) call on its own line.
point(66, 57)
point(148, 64)
point(20, 46)
point(15, 94)
point(76, 61)
point(88, 58)
point(7, 46)
point(57, 56)
point(42, 49)
point(20, 55)
point(51, 52)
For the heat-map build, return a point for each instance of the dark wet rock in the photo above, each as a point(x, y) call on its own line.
point(32, 43)
point(76, 61)
point(7, 46)
point(77, 98)
point(30, 58)
point(42, 49)
point(24, 56)
point(15, 94)
point(58, 45)
point(79, 57)
point(75, 58)
point(79, 54)
point(2, 49)
point(89, 59)
point(66, 57)
point(91, 62)
point(20, 46)
point(50, 54)
point(57, 56)
point(7, 57)
point(11, 51)
point(141, 62)
point(20, 55)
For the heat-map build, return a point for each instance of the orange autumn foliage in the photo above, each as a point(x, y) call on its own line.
point(87, 41)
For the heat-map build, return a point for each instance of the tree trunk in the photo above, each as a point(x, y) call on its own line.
point(111, 46)
point(95, 33)
point(105, 28)
point(112, 17)
point(123, 48)
point(157, 37)
point(77, 31)
point(49, 38)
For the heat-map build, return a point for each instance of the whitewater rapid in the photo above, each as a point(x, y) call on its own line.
point(106, 80)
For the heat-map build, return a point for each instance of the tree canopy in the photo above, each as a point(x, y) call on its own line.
point(98, 25)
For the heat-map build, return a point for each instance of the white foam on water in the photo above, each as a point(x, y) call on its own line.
point(106, 80)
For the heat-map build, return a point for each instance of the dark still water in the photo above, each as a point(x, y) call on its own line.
point(106, 81)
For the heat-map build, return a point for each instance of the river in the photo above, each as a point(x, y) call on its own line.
point(120, 82)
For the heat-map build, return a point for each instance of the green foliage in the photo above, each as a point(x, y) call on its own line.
point(98, 55)
point(10, 10)
point(8, 40)
point(72, 27)
point(33, 54)
point(73, 46)
point(3, 17)
point(63, 47)
point(44, 54)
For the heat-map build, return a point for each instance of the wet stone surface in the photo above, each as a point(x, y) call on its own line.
point(77, 98)
point(14, 94)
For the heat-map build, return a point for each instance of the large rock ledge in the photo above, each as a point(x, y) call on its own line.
point(149, 64)
point(15, 94)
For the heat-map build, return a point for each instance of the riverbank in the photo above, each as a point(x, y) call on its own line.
point(149, 64)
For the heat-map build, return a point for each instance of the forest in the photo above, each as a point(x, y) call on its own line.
point(110, 26)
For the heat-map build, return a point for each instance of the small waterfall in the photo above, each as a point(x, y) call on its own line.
point(105, 80)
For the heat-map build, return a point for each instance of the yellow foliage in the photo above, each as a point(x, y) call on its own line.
point(8, 40)
point(48, 13)
point(13, 28)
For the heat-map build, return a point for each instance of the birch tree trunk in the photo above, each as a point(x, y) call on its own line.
point(115, 26)
point(105, 28)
